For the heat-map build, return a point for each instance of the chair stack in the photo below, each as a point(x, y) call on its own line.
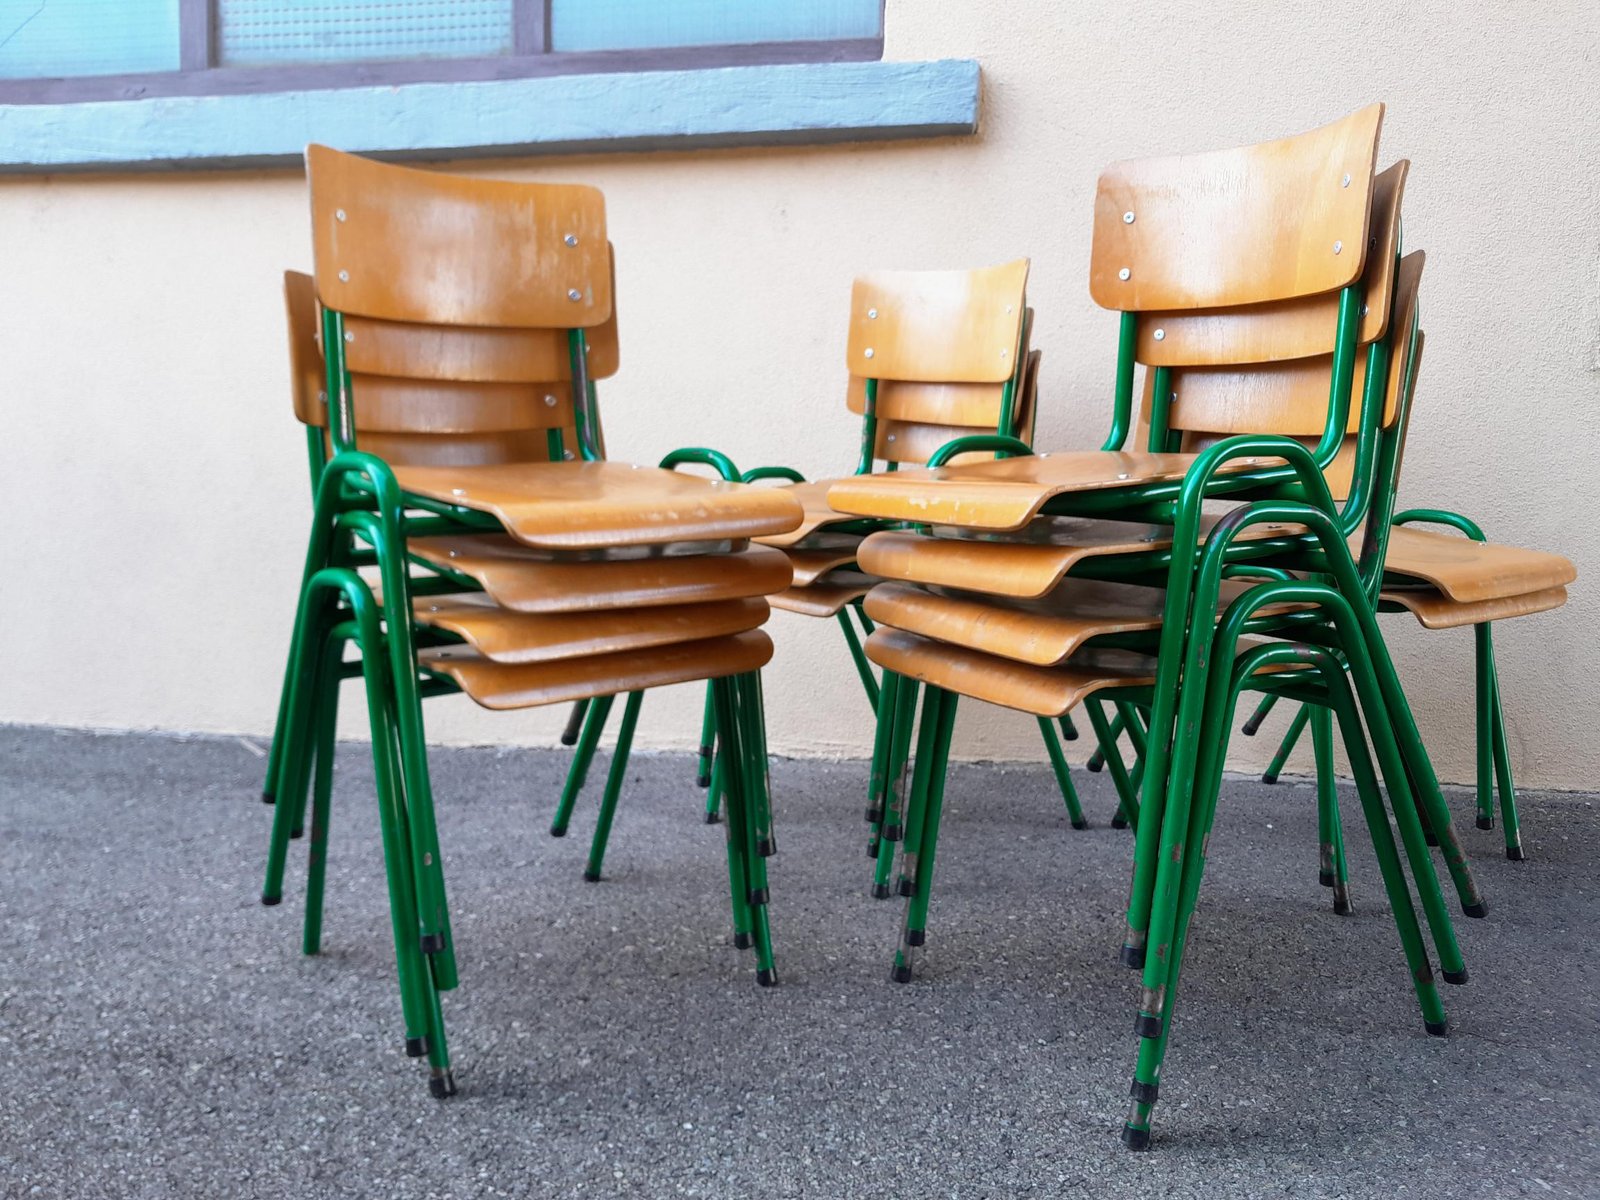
point(1263, 292)
point(468, 537)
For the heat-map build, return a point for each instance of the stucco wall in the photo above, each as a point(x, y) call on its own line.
point(155, 484)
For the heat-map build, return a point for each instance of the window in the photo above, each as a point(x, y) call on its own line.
point(55, 51)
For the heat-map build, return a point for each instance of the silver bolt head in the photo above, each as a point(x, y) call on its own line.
point(569, 456)
point(550, 401)
point(1127, 218)
point(338, 214)
point(1345, 182)
point(344, 276)
point(1338, 246)
point(868, 352)
point(1161, 335)
point(1124, 274)
point(872, 314)
point(348, 336)
point(574, 294)
point(571, 239)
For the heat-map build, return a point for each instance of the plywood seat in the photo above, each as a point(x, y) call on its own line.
point(531, 581)
point(1027, 565)
point(1437, 611)
point(1470, 571)
point(826, 597)
point(1044, 632)
point(812, 496)
point(812, 565)
point(1005, 494)
point(1043, 691)
point(512, 637)
point(526, 685)
point(590, 505)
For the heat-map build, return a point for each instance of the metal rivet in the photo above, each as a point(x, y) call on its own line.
point(344, 276)
point(872, 314)
point(1127, 218)
point(458, 491)
point(568, 456)
point(433, 608)
point(338, 214)
point(453, 553)
point(1161, 335)
point(1005, 354)
point(1338, 246)
point(1363, 310)
point(348, 336)
point(322, 397)
point(571, 239)
point(1010, 308)
point(550, 400)
point(869, 352)
point(574, 294)
point(1124, 273)
point(890, 438)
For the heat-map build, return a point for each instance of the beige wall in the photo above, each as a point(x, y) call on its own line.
point(154, 481)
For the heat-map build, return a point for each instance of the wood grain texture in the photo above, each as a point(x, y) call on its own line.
point(527, 685)
point(1435, 610)
point(531, 581)
point(938, 326)
point(824, 598)
point(1251, 225)
point(812, 564)
point(1469, 571)
point(976, 405)
point(816, 516)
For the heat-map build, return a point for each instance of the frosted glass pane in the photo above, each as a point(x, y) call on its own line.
point(301, 31)
point(40, 38)
point(634, 24)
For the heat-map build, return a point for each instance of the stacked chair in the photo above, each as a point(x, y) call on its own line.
point(467, 536)
point(1271, 253)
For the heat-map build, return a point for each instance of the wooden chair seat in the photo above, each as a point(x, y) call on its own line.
point(589, 505)
point(1437, 611)
point(1044, 633)
point(1028, 566)
point(1005, 494)
point(512, 637)
point(811, 565)
point(1469, 571)
point(526, 685)
point(523, 580)
point(824, 598)
point(1043, 691)
point(813, 498)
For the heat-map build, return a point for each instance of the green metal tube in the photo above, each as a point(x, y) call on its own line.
point(578, 770)
point(1058, 763)
point(614, 780)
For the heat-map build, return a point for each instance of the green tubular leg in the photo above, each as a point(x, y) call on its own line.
point(1251, 726)
point(736, 751)
point(1069, 731)
point(915, 930)
point(1485, 719)
point(895, 786)
point(1502, 765)
point(1297, 726)
point(327, 712)
point(708, 734)
point(1105, 733)
point(569, 735)
point(1058, 763)
point(614, 780)
point(1097, 760)
point(933, 700)
point(859, 657)
point(738, 882)
point(578, 770)
point(1332, 871)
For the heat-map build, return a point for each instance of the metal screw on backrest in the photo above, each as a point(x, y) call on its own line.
point(1345, 182)
point(1161, 335)
point(1124, 273)
point(872, 314)
point(571, 239)
point(1338, 246)
point(1005, 354)
point(1127, 218)
point(574, 294)
point(1363, 310)
point(348, 336)
point(568, 456)
point(550, 400)
point(868, 352)
point(338, 214)
point(344, 276)
point(890, 438)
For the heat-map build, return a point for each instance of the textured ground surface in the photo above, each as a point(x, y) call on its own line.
point(164, 1037)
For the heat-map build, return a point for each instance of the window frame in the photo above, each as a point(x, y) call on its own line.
point(531, 56)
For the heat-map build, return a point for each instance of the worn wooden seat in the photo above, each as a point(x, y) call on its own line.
point(811, 565)
point(1434, 610)
point(812, 497)
point(525, 580)
point(1469, 571)
point(825, 598)
point(526, 685)
point(502, 635)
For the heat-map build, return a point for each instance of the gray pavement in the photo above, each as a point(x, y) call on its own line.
point(165, 1038)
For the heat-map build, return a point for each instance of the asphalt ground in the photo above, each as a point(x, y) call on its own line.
point(167, 1039)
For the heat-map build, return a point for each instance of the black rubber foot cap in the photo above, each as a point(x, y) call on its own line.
point(1094, 765)
point(1135, 1139)
point(880, 891)
point(1249, 728)
point(431, 943)
point(442, 1087)
point(892, 833)
point(1145, 1093)
point(1343, 908)
point(297, 833)
point(900, 974)
point(1436, 1028)
point(558, 831)
point(743, 941)
point(1325, 878)
point(766, 847)
point(713, 818)
point(1480, 909)
point(1485, 822)
point(916, 937)
point(905, 887)
point(759, 896)
point(592, 876)
point(1147, 1026)
point(1080, 824)
point(1119, 822)
point(874, 815)
point(768, 978)
point(872, 849)
point(1456, 977)
point(1131, 956)
point(702, 781)
point(1515, 854)
point(1427, 836)
point(268, 798)
point(416, 1047)
point(269, 901)
point(1270, 777)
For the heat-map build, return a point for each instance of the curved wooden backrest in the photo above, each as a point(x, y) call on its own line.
point(424, 422)
point(1246, 226)
point(402, 244)
point(1296, 328)
point(938, 326)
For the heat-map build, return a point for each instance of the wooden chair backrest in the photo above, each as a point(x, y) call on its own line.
point(1252, 225)
point(938, 326)
point(401, 244)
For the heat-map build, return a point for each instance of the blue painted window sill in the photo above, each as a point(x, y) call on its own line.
point(788, 104)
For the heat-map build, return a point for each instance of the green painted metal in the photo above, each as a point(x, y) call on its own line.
point(614, 778)
point(1122, 406)
point(1002, 444)
point(869, 429)
point(578, 771)
point(1058, 764)
point(700, 455)
point(859, 657)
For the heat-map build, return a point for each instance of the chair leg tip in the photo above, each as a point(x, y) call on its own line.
point(269, 901)
point(905, 887)
point(1437, 1028)
point(1480, 909)
point(900, 974)
point(713, 818)
point(766, 847)
point(743, 941)
point(1515, 854)
point(767, 977)
point(442, 1083)
point(592, 876)
point(1269, 777)
point(1326, 878)
point(1135, 1139)
point(1342, 906)
point(1485, 822)
point(1080, 823)
point(268, 798)
point(1131, 957)
point(1147, 1026)
point(1456, 977)
point(416, 1047)
point(558, 831)
point(702, 781)
point(1093, 766)
point(880, 891)
point(916, 937)
point(1119, 822)
point(296, 834)
point(569, 739)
